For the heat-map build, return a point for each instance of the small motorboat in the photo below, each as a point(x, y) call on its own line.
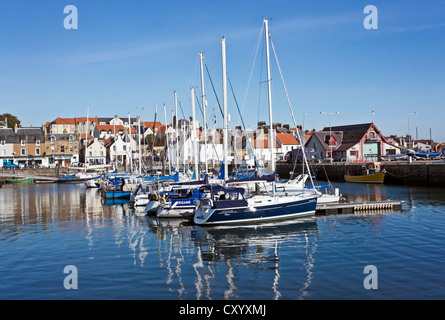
point(371, 173)
point(92, 183)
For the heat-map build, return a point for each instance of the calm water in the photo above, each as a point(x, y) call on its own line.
point(119, 255)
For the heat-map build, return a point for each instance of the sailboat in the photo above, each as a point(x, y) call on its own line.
point(224, 205)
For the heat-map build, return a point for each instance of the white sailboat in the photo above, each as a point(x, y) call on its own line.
point(224, 205)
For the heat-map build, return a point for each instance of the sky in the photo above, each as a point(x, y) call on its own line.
point(130, 56)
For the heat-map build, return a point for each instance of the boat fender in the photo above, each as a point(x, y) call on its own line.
point(162, 200)
point(155, 197)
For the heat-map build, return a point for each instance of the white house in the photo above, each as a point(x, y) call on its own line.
point(118, 150)
point(96, 153)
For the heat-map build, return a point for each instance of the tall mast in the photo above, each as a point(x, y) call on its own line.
point(139, 138)
point(204, 105)
point(213, 139)
point(269, 90)
point(176, 132)
point(193, 136)
point(129, 148)
point(168, 145)
point(154, 135)
point(86, 137)
point(226, 125)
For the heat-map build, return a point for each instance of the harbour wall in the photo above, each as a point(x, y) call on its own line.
point(425, 173)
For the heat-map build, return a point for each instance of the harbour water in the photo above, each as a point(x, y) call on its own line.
point(119, 255)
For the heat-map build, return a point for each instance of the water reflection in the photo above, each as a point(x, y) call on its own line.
point(221, 252)
point(174, 259)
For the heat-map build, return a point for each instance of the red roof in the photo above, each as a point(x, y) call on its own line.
point(147, 124)
point(82, 135)
point(84, 120)
point(69, 121)
point(110, 127)
point(287, 138)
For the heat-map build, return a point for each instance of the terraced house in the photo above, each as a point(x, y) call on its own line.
point(22, 146)
point(62, 149)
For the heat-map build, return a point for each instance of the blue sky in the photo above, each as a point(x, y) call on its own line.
point(129, 55)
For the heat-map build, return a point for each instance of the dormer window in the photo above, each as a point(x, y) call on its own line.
point(330, 140)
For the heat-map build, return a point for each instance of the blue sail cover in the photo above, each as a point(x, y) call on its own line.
point(174, 177)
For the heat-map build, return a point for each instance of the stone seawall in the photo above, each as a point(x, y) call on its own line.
point(425, 173)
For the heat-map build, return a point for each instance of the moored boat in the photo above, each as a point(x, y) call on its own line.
point(232, 206)
point(23, 180)
point(371, 173)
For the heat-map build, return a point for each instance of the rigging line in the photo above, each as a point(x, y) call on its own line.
point(253, 65)
point(290, 107)
point(182, 111)
point(214, 91)
point(244, 126)
point(199, 105)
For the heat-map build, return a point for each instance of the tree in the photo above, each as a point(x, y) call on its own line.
point(12, 120)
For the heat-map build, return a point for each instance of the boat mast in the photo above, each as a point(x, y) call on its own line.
point(176, 132)
point(204, 105)
point(86, 137)
point(139, 138)
point(193, 135)
point(226, 129)
point(168, 145)
point(129, 148)
point(269, 91)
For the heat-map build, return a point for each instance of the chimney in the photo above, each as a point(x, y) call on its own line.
point(15, 128)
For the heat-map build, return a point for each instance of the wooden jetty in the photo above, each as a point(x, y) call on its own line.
point(362, 207)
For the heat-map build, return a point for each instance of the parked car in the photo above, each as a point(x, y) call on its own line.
point(10, 165)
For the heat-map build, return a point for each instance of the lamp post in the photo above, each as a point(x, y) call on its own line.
point(330, 113)
point(409, 132)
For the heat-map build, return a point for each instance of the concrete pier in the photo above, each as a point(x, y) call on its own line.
point(424, 173)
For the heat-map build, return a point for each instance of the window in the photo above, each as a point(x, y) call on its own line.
point(37, 142)
point(53, 139)
point(91, 153)
point(71, 149)
point(23, 151)
point(37, 151)
point(53, 149)
point(23, 142)
point(3, 152)
point(2, 142)
point(62, 149)
point(353, 154)
point(330, 140)
point(71, 139)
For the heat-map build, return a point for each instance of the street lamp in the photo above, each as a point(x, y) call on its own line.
point(330, 113)
point(409, 132)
